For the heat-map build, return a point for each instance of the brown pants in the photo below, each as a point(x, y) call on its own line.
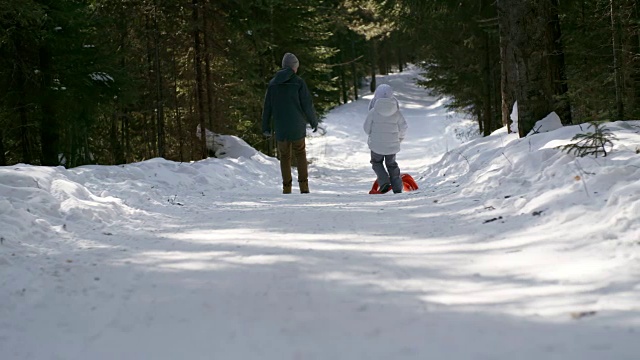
point(298, 147)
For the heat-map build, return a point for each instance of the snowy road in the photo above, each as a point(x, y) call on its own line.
point(244, 272)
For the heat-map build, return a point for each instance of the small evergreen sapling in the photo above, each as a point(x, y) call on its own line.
point(591, 143)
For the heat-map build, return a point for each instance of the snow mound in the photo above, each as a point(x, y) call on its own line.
point(227, 146)
point(533, 176)
point(38, 203)
point(549, 123)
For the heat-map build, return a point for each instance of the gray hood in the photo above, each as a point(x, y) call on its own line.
point(282, 76)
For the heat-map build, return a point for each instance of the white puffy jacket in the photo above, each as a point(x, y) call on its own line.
point(385, 126)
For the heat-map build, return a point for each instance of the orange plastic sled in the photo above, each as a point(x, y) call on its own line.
point(407, 181)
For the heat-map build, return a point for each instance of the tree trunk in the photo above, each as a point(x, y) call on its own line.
point(557, 64)
point(343, 86)
point(71, 146)
point(3, 158)
point(343, 80)
point(197, 63)
point(207, 57)
point(125, 142)
point(372, 65)
point(121, 135)
point(148, 135)
point(88, 156)
point(116, 146)
point(178, 118)
point(479, 118)
point(49, 132)
point(635, 60)
point(151, 103)
point(508, 71)
point(617, 58)
point(24, 119)
point(121, 148)
point(354, 72)
point(487, 114)
point(531, 54)
point(24, 135)
point(159, 84)
point(382, 58)
point(193, 121)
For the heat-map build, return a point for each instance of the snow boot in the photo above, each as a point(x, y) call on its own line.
point(286, 188)
point(304, 187)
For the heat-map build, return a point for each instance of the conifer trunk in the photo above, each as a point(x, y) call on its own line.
point(487, 113)
point(159, 85)
point(635, 59)
point(3, 158)
point(150, 128)
point(197, 63)
point(372, 65)
point(49, 132)
point(532, 62)
point(24, 118)
point(343, 86)
point(208, 77)
point(617, 58)
point(557, 65)
point(116, 148)
point(125, 138)
point(354, 72)
point(178, 118)
point(507, 65)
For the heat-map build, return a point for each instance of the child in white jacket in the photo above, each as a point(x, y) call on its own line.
point(386, 128)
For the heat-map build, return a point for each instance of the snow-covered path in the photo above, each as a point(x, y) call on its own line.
point(244, 272)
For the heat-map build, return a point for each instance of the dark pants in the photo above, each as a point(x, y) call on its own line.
point(389, 175)
point(298, 148)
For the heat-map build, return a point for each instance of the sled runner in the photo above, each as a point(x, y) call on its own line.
point(407, 181)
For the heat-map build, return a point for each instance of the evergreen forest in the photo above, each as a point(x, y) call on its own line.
point(120, 81)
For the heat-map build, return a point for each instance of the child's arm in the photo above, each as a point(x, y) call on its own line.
point(402, 127)
point(367, 123)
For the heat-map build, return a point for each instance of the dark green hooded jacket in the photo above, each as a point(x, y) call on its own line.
point(288, 101)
